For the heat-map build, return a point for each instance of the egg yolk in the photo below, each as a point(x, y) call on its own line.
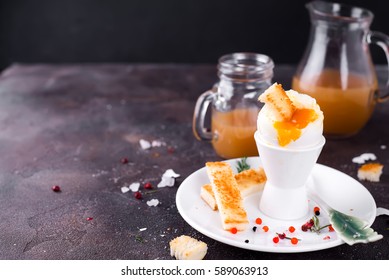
point(289, 131)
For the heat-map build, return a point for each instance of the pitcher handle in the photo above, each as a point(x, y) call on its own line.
point(199, 130)
point(382, 40)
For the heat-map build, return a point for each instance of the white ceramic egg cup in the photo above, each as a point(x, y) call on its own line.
point(287, 170)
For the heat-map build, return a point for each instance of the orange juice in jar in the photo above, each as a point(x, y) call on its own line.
point(235, 106)
point(234, 132)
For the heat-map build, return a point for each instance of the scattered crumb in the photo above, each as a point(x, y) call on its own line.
point(364, 157)
point(142, 229)
point(383, 147)
point(370, 172)
point(125, 189)
point(144, 144)
point(153, 202)
point(157, 143)
point(168, 179)
point(166, 182)
point(100, 173)
point(171, 173)
point(134, 187)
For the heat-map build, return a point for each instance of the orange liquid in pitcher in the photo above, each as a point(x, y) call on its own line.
point(346, 109)
point(234, 132)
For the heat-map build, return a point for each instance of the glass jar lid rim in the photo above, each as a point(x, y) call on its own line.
point(340, 11)
point(246, 61)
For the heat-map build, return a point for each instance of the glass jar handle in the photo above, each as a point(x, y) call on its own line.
point(201, 108)
point(382, 40)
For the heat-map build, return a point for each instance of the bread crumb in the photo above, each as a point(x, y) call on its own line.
point(168, 179)
point(370, 172)
point(364, 157)
point(187, 248)
point(144, 144)
point(153, 202)
point(134, 187)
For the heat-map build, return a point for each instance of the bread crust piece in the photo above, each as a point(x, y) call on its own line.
point(187, 248)
point(277, 99)
point(227, 195)
point(370, 172)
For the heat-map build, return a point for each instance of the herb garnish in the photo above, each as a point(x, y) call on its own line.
point(139, 239)
point(314, 225)
point(243, 165)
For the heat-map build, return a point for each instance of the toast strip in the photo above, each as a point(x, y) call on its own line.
point(227, 195)
point(249, 181)
point(276, 97)
point(208, 196)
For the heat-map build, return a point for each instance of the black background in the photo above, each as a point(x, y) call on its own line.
point(159, 31)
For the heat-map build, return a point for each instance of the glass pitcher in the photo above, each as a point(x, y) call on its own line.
point(235, 106)
point(337, 68)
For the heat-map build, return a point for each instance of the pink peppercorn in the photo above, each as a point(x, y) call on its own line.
point(137, 195)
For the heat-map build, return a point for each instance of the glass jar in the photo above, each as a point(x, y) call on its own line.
point(337, 69)
point(235, 106)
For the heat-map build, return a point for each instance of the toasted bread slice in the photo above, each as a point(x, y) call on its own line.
point(250, 181)
point(227, 195)
point(276, 97)
point(187, 248)
point(208, 196)
point(370, 172)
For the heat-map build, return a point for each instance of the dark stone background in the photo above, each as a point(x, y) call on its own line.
point(173, 31)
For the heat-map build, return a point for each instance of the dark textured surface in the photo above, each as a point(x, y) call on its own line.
point(70, 126)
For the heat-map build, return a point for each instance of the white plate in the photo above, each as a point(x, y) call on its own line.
point(339, 190)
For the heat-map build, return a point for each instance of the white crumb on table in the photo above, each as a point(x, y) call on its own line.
point(153, 202)
point(364, 157)
point(125, 189)
point(134, 187)
point(157, 143)
point(144, 144)
point(168, 179)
